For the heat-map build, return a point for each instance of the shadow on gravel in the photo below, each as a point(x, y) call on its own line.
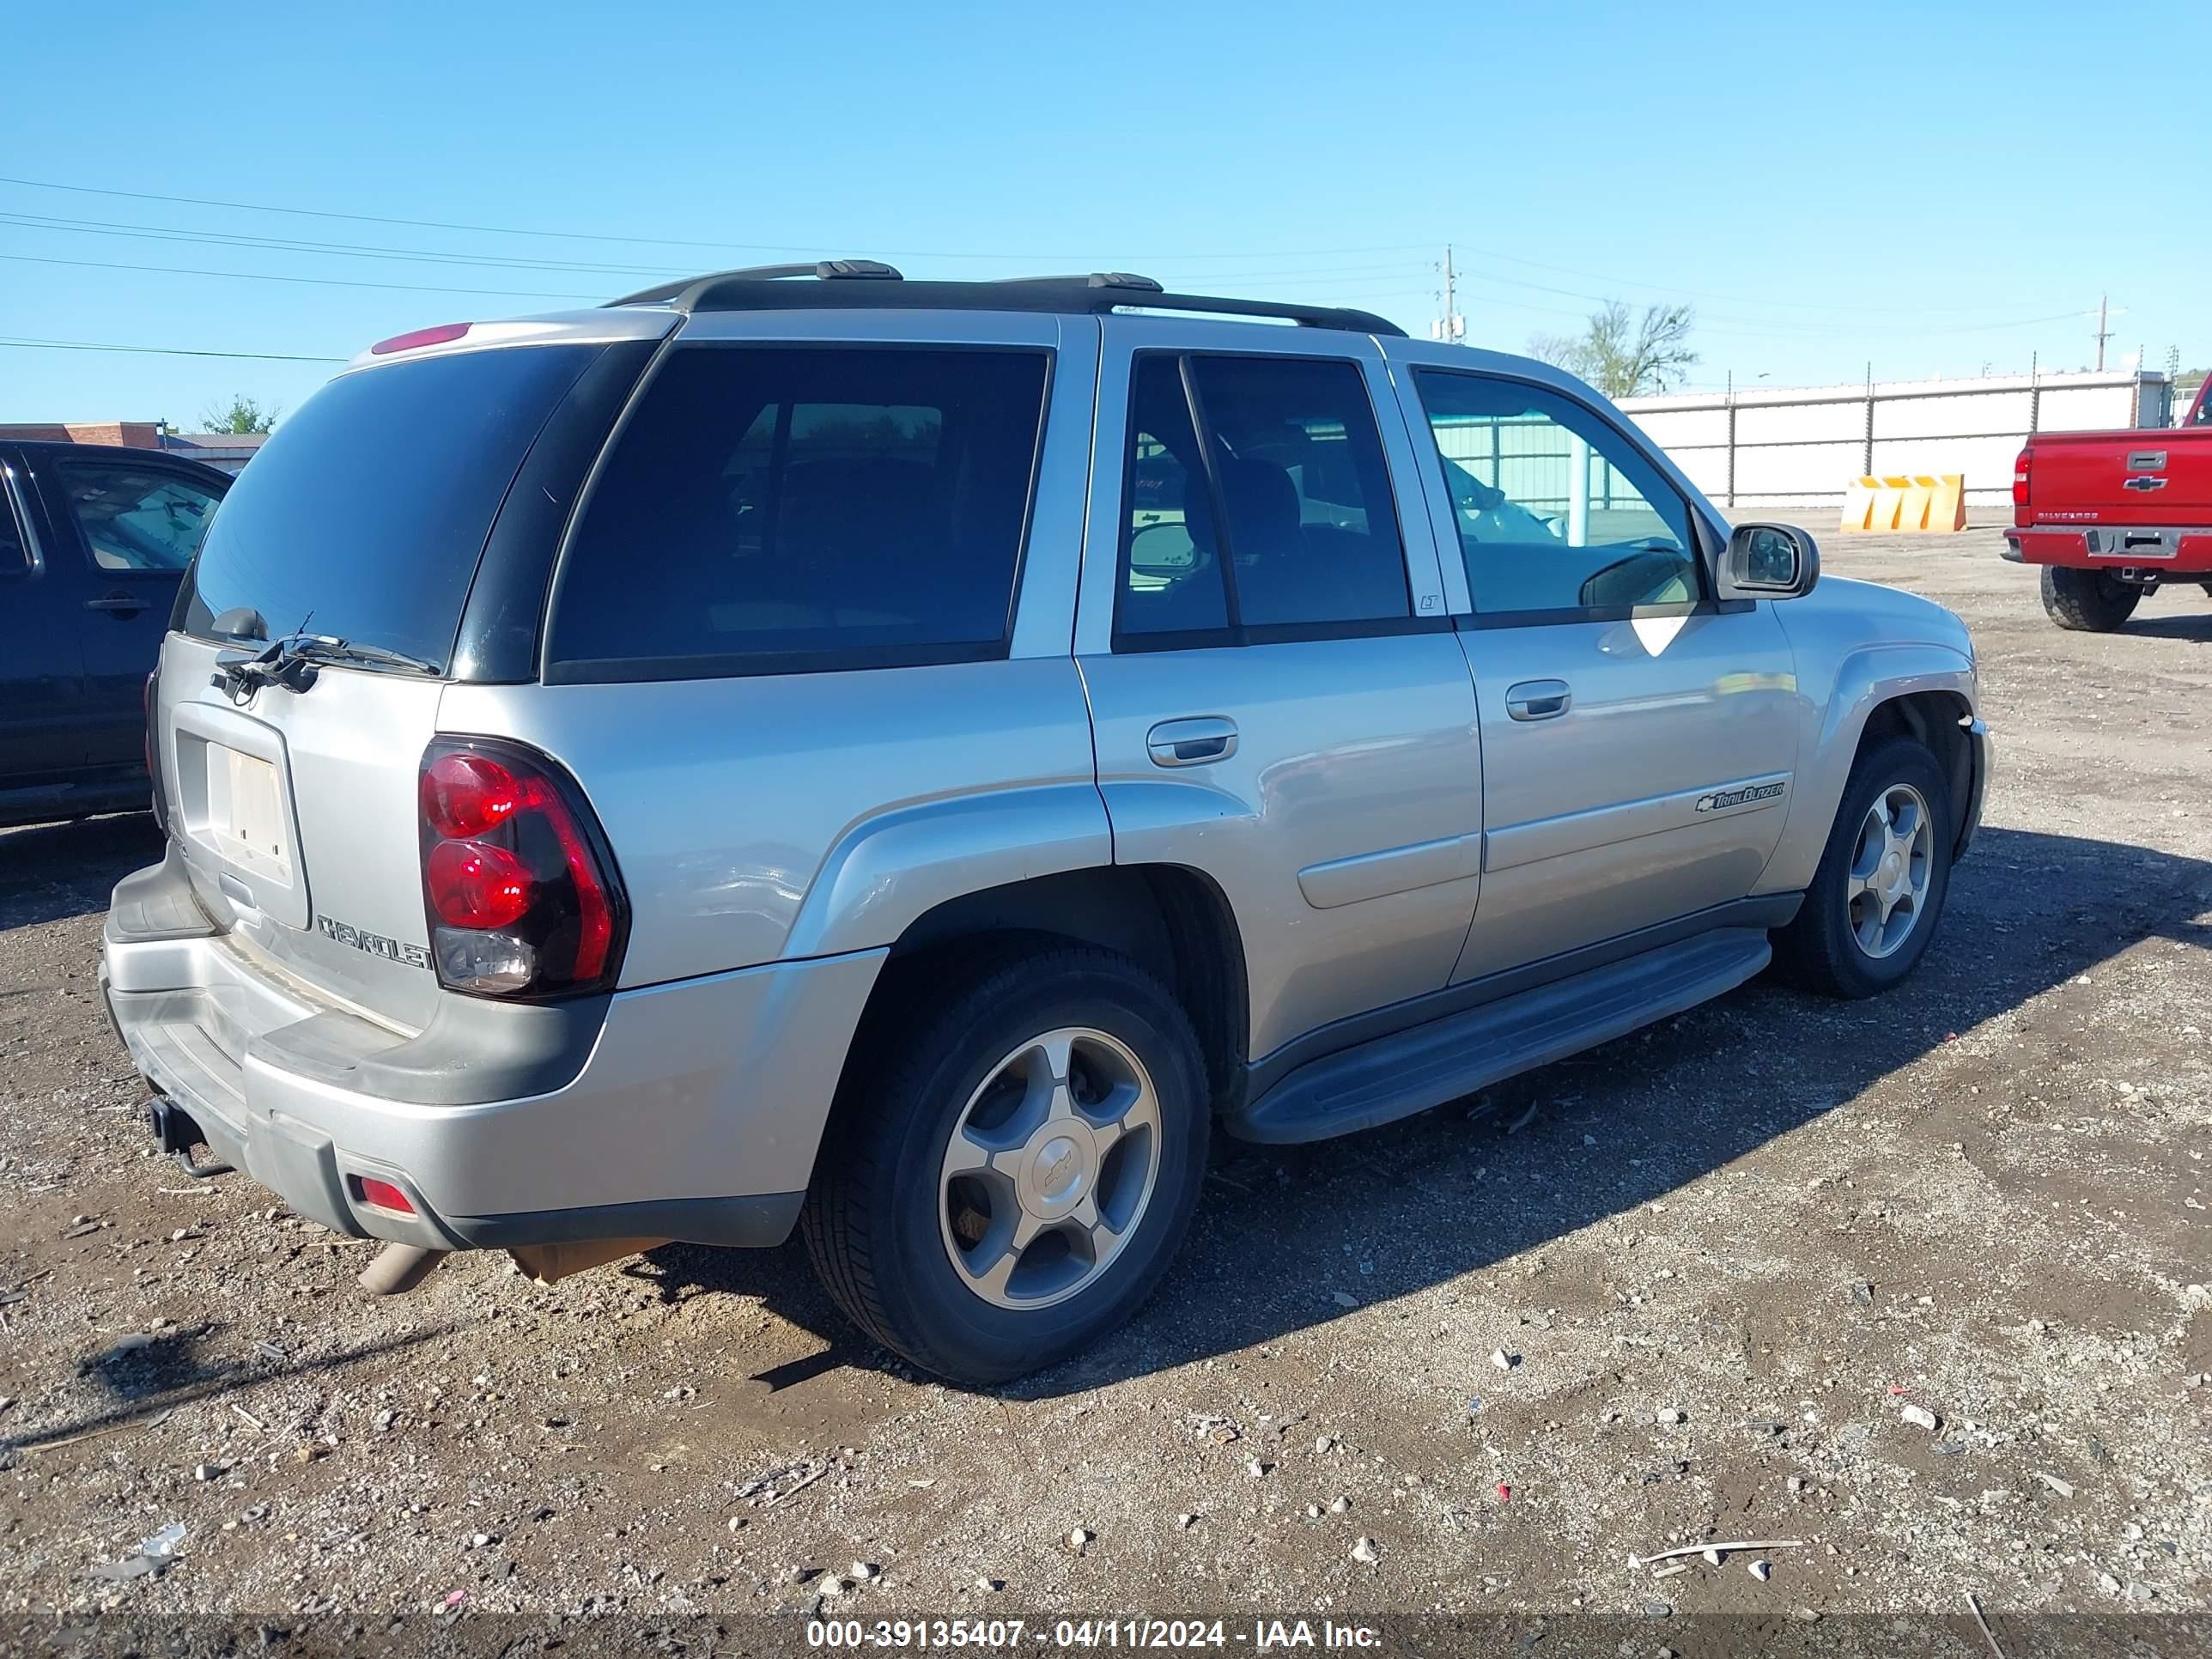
point(1284, 1233)
point(2195, 625)
point(150, 1376)
point(54, 871)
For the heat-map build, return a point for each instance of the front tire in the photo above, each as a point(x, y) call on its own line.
point(1010, 1168)
point(2088, 601)
point(1878, 893)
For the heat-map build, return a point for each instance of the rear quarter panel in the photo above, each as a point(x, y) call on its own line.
point(802, 815)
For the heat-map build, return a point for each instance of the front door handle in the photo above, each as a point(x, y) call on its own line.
point(126, 604)
point(1191, 742)
point(1539, 700)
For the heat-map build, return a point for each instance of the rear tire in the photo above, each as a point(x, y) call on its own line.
point(2088, 601)
point(1877, 896)
point(1013, 1159)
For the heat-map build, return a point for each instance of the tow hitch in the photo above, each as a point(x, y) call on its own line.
point(177, 1135)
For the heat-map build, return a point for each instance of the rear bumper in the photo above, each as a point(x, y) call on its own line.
point(2185, 550)
point(690, 1110)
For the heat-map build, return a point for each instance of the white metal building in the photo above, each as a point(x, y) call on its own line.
point(1800, 446)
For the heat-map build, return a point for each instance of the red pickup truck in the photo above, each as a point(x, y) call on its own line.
point(2111, 516)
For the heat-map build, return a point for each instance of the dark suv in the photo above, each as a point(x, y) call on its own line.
point(93, 541)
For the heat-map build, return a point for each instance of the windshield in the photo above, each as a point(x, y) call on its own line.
point(364, 515)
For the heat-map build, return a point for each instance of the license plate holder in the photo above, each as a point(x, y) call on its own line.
point(245, 814)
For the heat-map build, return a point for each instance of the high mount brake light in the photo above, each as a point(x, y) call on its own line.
point(519, 889)
point(421, 337)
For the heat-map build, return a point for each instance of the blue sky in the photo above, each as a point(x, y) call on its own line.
point(1932, 188)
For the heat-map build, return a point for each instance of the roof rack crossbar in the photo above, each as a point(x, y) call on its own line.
point(686, 292)
point(1092, 279)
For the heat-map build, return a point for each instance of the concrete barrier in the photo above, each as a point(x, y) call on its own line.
point(1915, 503)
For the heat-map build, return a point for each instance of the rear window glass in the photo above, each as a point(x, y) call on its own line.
point(774, 509)
point(365, 513)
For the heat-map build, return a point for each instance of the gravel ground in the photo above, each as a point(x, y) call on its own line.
point(1721, 1261)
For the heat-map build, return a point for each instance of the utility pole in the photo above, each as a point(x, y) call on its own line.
point(2104, 333)
point(1451, 326)
point(1731, 438)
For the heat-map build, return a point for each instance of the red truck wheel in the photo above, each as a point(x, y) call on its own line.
point(2088, 601)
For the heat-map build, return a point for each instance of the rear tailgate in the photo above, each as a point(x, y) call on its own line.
point(2151, 477)
point(365, 519)
point(295, 815)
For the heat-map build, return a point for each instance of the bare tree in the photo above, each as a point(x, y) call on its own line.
point(1621, 355)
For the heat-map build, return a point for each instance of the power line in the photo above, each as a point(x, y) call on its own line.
point(501, 262)
point(494, 292)
point(1678, 291)
point(1779, 327)
point(344, 250)
point(321, 282)
point(164, 351)
point(665, 241)
point(445, 256)
point(1271, 278)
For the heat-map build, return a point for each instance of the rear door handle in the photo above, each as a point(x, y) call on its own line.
point(1191, 742)
point(125, 603)
point(1539, 700)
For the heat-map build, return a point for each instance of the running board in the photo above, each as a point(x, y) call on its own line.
point(1393, 1076)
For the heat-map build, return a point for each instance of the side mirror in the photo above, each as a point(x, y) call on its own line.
point(1769, 560)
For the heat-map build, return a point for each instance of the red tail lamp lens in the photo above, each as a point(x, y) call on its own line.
point(467, 795)
point(475, 884)
point(521, 893)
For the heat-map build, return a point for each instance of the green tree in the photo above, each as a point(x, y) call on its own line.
point(244, 414)
point(1624, 356)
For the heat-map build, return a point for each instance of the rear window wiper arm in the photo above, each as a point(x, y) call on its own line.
point(291, 662)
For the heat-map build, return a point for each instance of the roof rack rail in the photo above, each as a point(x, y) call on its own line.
point(1093, 279)
point(685, 292)
point(763, 288)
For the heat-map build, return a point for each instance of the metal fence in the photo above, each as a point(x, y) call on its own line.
point(1776, 446)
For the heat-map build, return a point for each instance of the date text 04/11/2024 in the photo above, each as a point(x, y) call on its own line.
point(1147, 1634)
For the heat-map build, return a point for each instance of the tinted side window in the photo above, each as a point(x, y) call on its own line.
point(1169, 583)
point(1556, 508)
point(774, 509)
point(1305, 493)
point(1283, 519)
point(136, 518)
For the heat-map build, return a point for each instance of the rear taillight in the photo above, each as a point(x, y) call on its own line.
point(519, 886)
point(151, 703)
point(2020, 470)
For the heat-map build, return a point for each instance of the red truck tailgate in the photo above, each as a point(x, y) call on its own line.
point(2151, 476)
